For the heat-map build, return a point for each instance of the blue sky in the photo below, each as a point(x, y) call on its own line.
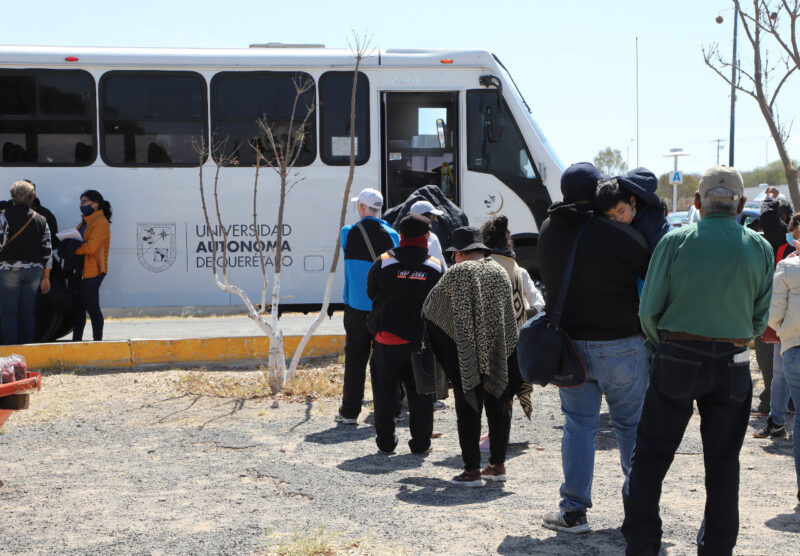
point(573, 60)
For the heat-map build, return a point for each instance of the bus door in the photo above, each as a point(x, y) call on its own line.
point(419, 144)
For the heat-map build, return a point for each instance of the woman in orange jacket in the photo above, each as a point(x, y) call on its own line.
point(96, 238)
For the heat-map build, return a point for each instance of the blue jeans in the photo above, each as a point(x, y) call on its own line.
point(682, 372)
point(18, 289)
point(618, 370)
point(791, 370)
point(778, 393)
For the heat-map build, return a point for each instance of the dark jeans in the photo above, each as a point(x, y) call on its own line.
point(682, 372)
point(88, 300)
point(390, 366)
point(18, 289)
point(764, 358)
point(498, 410)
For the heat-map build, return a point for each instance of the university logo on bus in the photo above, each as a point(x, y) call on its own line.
point(155, 245)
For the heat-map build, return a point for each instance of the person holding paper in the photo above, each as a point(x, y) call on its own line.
point(96, 231)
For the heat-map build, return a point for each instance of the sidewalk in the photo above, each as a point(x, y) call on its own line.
point(174, 328)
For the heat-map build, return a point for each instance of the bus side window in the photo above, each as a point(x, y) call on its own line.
point(45, 115)
point(239, 99)
point(152, 118)
point(494, 143)
point(335, 90)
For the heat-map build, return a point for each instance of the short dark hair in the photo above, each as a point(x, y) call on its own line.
point(609, 194)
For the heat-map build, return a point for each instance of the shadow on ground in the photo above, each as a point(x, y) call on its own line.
point(604, 541)
point(786, 522)
point(380, 464)
point(432, 491)
point(340, 433)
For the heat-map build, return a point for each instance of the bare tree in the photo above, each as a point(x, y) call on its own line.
point(278, 147)
point(764, 81)
point(360, 47)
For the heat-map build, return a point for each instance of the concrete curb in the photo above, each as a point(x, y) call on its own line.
point(139, 353)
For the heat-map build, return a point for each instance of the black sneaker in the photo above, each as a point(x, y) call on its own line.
point(471, 478)
point(568, 522)
point(771, 430)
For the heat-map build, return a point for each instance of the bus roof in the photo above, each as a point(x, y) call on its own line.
point(25, 56)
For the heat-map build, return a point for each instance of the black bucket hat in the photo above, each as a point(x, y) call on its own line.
point(466, 238)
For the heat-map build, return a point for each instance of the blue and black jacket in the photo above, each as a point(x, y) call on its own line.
point(358, 261)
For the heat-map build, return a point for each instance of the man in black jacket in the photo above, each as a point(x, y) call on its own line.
point(600, 315)
point(398, 283)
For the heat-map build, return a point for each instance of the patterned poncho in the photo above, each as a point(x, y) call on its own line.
point(472, 304)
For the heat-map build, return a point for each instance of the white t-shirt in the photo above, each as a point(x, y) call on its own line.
point(533, 297)
point(435, 249)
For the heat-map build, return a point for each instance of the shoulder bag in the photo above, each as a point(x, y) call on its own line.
point(545, 352)
point(423, 364)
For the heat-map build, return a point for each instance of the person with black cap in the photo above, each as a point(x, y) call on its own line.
point(470, 318)
point(600, 316)
point(398, 283)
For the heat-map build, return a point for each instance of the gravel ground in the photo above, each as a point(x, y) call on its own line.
point(120, 463)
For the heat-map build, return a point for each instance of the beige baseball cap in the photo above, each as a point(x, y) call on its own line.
point(722, 176)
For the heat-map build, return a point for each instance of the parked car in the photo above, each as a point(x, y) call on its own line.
point(750, 213)
point(678, 219)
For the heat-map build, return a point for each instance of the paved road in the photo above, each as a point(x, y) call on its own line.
point(165, 328)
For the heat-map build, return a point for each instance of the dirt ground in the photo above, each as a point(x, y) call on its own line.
point(121, 463)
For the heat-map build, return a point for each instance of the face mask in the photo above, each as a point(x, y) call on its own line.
point(86, 210)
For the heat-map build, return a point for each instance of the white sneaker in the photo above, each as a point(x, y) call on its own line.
point(339, 418)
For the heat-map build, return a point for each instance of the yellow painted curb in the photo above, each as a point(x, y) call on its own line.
point(134, 353)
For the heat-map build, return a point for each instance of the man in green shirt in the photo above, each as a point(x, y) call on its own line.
point(706, 295)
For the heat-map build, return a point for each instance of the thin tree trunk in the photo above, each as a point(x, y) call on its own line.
point(360, 49)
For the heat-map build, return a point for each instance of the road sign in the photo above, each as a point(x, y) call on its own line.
point(676, 178)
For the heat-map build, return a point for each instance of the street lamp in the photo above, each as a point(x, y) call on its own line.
point(675, 153)
point(734, 66)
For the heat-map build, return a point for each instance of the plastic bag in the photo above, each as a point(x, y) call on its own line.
point(14, 367)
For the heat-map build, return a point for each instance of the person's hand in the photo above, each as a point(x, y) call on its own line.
point(45, 285)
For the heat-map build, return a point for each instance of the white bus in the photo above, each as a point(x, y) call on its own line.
point(122, 121)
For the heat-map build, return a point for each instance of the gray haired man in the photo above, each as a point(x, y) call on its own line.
point(706, 295)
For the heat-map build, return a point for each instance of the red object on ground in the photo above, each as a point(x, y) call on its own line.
point(32, 381)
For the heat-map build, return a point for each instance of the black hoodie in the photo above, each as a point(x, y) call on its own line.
point(406, 274)
point(602, 301)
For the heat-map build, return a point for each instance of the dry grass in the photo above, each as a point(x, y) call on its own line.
point(319, 543)
point(219, 385)
point(309, 383)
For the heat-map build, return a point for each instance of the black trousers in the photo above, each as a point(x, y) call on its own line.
point(682, 372)
point(358, 344)
point(391, 366)
point(88, 300)
point(498, 410)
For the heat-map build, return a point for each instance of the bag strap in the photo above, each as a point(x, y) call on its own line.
point(367, 241)
point(18, 232)
point(555, 319)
